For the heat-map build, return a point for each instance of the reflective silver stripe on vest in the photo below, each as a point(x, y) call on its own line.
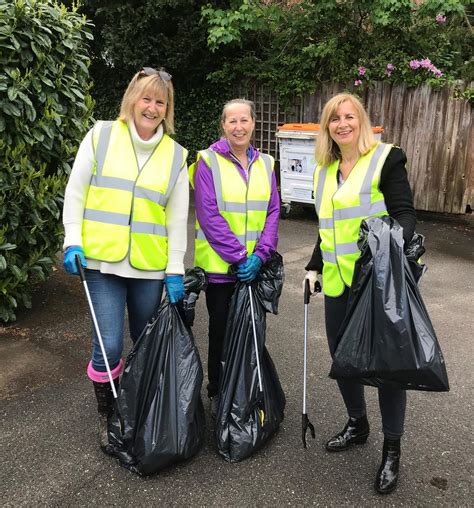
point(154, 196)
point(232, 206)
point(112, 182)
point(257, 205)
point(251, 235)
point(216, 177)
point(268, 166)
point(176, 166)
point(223, 206)
point(159, 197)
point(342, 249)
point(148, 228)
point(119, 219)
point(366, 189)
point(347, 248)
point(325, 223)
point(366, 207)
point(102, 146)
point(319, 190)
point(329, 257)
point(362, 211)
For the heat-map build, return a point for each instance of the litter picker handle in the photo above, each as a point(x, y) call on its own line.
point(80, 268)
point(317, 287)
point(307, 293)
point(96, 324)
point(255, 341)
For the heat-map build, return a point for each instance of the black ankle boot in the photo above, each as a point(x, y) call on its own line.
point(387, 476)
point(356, 431)
point(105, 406)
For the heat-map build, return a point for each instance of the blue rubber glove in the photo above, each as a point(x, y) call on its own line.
point(174, 287)
point(247, 271)
point(70, 259)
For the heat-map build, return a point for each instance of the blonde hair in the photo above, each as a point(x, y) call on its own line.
point(327, 150)
point(154, 84)
point(246, 102)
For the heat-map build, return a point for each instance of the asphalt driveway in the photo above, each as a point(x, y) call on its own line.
point(49, 455)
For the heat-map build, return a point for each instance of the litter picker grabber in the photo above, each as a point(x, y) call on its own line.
point(99, 337)
point(255, 342)
point(305, 423)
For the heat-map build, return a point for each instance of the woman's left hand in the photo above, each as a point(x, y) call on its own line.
point(247, 271)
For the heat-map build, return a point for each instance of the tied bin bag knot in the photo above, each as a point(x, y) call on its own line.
point(160, 390)
point(386, 338)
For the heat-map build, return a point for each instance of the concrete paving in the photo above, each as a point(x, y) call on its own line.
point(49, 454)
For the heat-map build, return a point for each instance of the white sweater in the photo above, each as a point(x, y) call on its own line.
point(176, 208)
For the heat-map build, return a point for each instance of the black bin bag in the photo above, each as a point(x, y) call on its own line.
point(386, 338)
point(247, 418)
point(159, 397)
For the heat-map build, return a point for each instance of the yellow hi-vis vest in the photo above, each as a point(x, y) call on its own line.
point(125, 207)
point(341, 210)
point(243, 205)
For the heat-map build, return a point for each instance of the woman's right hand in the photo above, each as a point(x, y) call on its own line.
point(312, 277)
point(70, 259)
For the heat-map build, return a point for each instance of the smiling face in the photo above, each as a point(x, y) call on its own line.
point(344, 125)
point(238, 126)
point(148, 112)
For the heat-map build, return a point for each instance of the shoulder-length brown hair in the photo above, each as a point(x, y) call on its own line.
point(327, 150)
point(141, 84)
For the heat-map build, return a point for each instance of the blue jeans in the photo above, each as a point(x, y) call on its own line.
point(110, 295)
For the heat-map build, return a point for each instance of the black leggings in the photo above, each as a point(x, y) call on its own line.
point(217, 301)
point(392, 401)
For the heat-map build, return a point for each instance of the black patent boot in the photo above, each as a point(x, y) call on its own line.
point(387, 476)
point(355, 432)
point(105, 407)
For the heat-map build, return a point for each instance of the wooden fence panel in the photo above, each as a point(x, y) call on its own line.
point(434, 130)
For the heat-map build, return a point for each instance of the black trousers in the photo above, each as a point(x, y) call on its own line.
point(217, 301)
point(392, 401)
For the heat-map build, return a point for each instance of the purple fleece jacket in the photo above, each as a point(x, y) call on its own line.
point(216, 228)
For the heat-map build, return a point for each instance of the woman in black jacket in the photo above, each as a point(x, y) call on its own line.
point(357, 177)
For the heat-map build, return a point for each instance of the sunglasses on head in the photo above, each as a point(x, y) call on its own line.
point(149, 71)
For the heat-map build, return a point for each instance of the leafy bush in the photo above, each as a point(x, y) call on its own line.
point(198, 111)
point(130, 34)
point(293, 46)
point(45, 110)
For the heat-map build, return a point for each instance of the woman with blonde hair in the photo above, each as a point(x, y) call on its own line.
point(125, 216)
point(357, 177)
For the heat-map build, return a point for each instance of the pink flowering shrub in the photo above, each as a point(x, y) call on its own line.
point(425, 64)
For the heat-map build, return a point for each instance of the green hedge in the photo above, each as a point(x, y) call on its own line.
point(45, 110)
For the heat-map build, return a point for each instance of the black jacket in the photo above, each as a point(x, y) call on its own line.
point(398, 199)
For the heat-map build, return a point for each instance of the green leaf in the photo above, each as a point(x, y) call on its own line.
point(8, 246)
point(12, 93)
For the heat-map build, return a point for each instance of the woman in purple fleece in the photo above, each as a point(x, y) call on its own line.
point(237, 213)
